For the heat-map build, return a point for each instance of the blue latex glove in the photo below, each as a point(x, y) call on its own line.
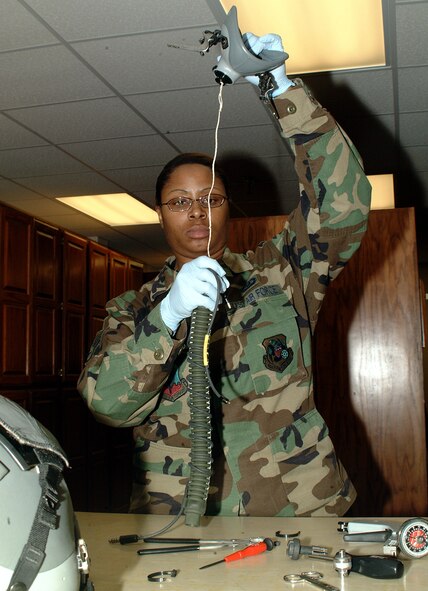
point(272, 42)
point(195, 285)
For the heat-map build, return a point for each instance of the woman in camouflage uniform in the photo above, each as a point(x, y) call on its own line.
point(272, 452)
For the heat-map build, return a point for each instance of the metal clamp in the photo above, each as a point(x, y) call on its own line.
point(161, 575)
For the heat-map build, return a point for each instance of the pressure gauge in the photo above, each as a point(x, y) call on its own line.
point(412, 538)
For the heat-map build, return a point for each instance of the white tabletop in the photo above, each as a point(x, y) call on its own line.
point(116, 567)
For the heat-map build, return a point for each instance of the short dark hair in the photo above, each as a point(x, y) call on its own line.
point(180, 160)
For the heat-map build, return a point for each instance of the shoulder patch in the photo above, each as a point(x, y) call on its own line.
point(278, 356)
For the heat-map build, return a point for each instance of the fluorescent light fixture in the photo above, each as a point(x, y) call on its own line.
point(382, 191)
point(319, 35)
point(117, 209)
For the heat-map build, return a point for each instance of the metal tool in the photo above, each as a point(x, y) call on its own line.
point(411, 537)
point(295, 549)
point(375, 567)
point(313, 577)
point(252, 550)
point(132, 538)
point(184, 548)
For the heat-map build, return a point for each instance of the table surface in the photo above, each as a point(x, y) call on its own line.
point(116, 567)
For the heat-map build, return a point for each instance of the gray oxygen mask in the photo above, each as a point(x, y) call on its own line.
point(237, 59)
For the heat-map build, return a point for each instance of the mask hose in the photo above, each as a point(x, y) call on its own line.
point(199, 384)
point(200, 418)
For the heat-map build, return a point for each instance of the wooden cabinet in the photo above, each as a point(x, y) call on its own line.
point(46, 317)
point(54, 285)
point(135, 275)
point(74, 311)
point(119, 270)
point(15, 297)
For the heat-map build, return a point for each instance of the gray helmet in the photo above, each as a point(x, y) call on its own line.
point(41, 547)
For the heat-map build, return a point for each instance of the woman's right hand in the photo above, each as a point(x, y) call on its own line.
point(195, 285)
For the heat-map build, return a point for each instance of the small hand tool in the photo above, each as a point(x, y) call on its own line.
point(310, 577)
point(252, 550)
point(411, 537)
point(373, 566)
point(295, 549)
point(132, 538)
point(172, 549)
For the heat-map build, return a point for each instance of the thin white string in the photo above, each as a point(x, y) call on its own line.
point(220, 107)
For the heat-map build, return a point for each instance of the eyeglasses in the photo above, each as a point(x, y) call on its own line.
point(180, 204)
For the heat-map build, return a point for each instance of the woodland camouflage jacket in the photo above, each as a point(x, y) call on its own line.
point(273, 455)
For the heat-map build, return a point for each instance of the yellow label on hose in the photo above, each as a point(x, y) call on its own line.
point(205, 352)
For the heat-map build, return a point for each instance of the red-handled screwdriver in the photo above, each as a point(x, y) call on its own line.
point(251, 550)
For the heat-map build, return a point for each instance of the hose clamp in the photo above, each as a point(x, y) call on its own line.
point(161, 575)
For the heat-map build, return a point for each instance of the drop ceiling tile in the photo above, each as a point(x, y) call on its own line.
point(147, 197)
point(412, 38)
point(369, 91)
point(19, 28)
point(37, 161)
point(99, 18)
point(198, 108)
point(414, 129)
point(43, 208)
point(416, 158)
point(413, 88)
point(83, 120)
point(135, 179)
point(254, 140)
point(45, 75)
point(76, 222)
point(13, 135)
point(13, 192)
point(145, 63)
point(280, 168)
point(122, 153)
point(66, 185)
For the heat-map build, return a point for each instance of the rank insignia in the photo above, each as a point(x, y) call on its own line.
point(278, 356)
point(175, 389)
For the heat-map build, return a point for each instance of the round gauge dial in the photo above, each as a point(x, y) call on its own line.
point(413, 538)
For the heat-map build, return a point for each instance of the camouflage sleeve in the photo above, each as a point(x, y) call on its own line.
point(129, 361)
point(327, 226)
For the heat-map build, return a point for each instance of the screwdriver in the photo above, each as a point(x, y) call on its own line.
point(251, 550)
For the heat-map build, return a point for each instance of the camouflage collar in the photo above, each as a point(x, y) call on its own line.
point(237, 263)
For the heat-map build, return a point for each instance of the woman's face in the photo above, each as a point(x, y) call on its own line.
point(187, 232)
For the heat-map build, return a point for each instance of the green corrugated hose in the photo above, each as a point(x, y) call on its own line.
point(200, 417)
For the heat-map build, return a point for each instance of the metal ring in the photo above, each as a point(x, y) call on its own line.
point(161, 575)
point(313, 574)
point(293, 579)
point(279, 534)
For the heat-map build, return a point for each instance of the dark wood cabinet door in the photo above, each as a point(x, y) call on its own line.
point(46, 316)
point(98, 276)
point(118, 274)
point(15, 249)
point(74, 270)
point(74, 346)
point(135, 275)
point(45, 353)
point(46, 263)
point(15, 365)
point(74, 330)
